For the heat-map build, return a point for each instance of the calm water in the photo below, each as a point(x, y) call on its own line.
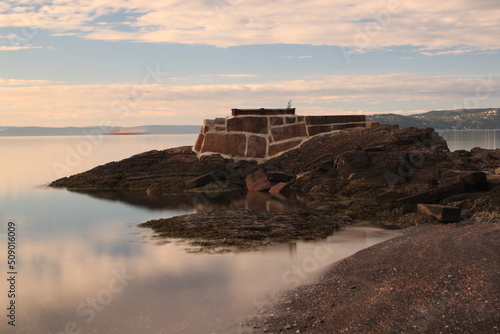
point(83, 265)
point(468, 139)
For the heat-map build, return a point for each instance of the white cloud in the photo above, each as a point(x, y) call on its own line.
point(447, 24)
point(17, 82)
point(177, 104)
point(18, 47)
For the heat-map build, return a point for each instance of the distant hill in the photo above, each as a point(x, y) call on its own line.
point(459, 119)
point(80, 131)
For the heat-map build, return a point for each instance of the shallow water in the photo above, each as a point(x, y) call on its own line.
point(84, 265)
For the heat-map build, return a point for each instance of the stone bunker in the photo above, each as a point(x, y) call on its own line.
point(260, 134)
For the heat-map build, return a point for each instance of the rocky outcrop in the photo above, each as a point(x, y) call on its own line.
point(243, 229)
point(377, 173)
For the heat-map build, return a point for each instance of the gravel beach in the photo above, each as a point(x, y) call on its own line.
point(431, 279)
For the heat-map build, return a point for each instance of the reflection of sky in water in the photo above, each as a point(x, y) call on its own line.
point(70, 245)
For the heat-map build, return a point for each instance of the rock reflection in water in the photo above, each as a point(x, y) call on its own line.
point(204, 202)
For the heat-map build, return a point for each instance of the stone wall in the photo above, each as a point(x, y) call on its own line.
point(260, 137)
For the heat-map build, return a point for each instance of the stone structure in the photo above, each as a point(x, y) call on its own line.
point(260, 134)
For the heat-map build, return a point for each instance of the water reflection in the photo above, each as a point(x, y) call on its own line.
point(106, 285)
point(205, 202)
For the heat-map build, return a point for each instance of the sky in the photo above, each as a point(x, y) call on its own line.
point(145, 62)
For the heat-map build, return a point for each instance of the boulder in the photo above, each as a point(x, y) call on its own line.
point(205, 179)
point(280, 188)
point(258, 181)
point(440, 212)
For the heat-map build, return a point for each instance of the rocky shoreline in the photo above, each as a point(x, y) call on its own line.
point(378, 174)
point(435, 278)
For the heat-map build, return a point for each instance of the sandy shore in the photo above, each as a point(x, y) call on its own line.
point(432, 279)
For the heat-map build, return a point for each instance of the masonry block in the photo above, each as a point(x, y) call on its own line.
point(199, 142)
point(248, 124)
point(276, 121)
point(440, 212)
point(287, 132)
point(256, 147)
point(231, 144)
point(280, 147)
point(315, 129)
point(348, 126)
point(333, 119)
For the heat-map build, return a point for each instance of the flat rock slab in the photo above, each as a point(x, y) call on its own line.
point(442, 213)
point(245, 229)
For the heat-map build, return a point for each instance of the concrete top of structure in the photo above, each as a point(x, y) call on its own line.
point(263, 111)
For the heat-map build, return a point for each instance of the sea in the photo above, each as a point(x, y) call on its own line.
point(77, 263)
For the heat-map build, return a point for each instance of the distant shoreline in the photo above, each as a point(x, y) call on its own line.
point(35, 131)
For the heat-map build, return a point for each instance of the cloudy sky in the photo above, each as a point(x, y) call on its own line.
point(141, 62)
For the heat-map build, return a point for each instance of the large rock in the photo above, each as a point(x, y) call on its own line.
point(258, 181)
point(275, 149)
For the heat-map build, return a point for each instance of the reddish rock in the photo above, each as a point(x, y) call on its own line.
point(280, 188)
point(257, 181)
point(278, 148)
point(256, 147)
point(315, 129)
point(290, 120)
point(371, 124)
point(440, 212)
point(199, 142)
point(287, 132)
point(231, 144)
point(276, 120)
point(248, 124)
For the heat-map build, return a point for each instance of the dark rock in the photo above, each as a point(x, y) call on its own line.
point(246, 228)
point(276, 176)
point(440, 212)
point(350, 162)
point(258, 181)
point(200, 181)
point(154, 190)
point(409, 203)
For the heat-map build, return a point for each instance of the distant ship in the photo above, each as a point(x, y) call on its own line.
point(123, 132)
